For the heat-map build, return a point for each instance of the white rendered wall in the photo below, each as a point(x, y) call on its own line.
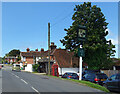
point(29, 68)
point(63, 70)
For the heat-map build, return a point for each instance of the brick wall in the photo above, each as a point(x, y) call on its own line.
point(29, 60)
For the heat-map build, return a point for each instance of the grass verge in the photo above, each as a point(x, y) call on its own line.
point(35, 72)
point(86, 83)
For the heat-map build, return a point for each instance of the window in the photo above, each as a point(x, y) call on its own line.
point(104, 76)
point(24, 59)
point(89, 75)
point(113, 77)
point(74, 74)
point(65, 74)
point(118, 77)
point(74, 65)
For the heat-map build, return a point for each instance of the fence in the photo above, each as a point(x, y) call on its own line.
point(110, 72)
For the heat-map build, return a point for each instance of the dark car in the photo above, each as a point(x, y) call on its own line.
point(97, 78)
point(69, 75)
point(113, 83)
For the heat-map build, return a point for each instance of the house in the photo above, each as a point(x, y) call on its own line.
point(11, 59)
point(30, 57)
point(43, 60)
point(65, 60)
point(116, 65)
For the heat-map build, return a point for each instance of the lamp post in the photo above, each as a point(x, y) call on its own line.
point(81, 36)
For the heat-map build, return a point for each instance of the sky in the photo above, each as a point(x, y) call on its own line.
point(25, 24)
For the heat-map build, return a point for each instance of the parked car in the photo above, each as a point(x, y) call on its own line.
point(16, 67)
point(97, 78)
point(2, 65)
point(113, 83)
point(70, 75)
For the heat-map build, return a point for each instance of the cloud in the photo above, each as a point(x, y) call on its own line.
point(110, 33)
point(111, 36)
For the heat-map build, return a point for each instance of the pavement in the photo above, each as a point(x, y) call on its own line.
point(27, 82)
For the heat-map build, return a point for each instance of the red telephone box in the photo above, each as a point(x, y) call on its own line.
point(55, 70)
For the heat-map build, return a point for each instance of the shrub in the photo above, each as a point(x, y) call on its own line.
point(35, 67)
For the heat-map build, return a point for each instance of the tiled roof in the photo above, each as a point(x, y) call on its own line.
point(11, 57)
point(36, 53)
point(64, 58)
point(31, 54)
point(45, 53)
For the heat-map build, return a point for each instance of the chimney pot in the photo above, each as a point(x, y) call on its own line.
point(52, 43)
point(42, 49)
point(27, 49)
point(59, 47)
point(36, 50)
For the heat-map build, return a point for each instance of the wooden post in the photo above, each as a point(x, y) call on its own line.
point(49, 48)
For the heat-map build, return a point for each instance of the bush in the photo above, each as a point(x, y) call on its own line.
point(35, 67)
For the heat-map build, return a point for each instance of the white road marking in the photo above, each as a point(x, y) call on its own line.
point(24, 81)
point(17, 76)
point(12, 73)
point(35, 90)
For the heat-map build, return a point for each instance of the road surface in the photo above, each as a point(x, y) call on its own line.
point(0, 81)
point(27, 82)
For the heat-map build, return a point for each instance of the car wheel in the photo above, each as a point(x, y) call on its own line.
point(104, 85)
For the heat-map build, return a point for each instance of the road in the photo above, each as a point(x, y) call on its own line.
point(0, 81)
point(27, 82)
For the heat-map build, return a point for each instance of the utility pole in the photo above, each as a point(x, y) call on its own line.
point(48, 48)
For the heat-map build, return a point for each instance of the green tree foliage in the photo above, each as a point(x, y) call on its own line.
point(97, 49)
point(35, 67)
point(0, 60)
point(14, 52)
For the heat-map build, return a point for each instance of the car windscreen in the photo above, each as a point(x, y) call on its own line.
point(102, 76)
point(89, 75)
point(118, 77)
point(72, 74)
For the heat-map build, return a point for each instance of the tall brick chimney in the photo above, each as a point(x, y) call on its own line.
point(27, 49)
point(52, 46)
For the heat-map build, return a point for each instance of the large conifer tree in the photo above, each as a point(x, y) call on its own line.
point(97, 49)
